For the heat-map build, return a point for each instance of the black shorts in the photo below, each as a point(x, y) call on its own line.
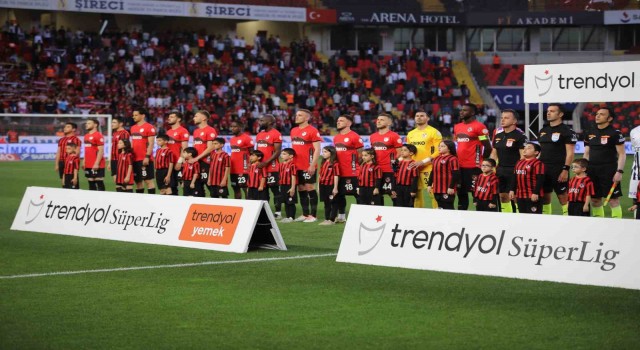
point(273, 179)
point(219, 192)
point(160, 175)
point(114, 167)
point(576, 209)
point(527, 206)
point(239, 180)
point(94, 174)
point(203, 176)
point(551, 183)
point(403, 197)
point(285, 197)
point(188, 191)
point(484, 205)
point(68, 183)
point(445, 201)
point(305, 178)
point(468, 178)
point(505, 178)
point(141, 172)
point(347, 186)
point(388, 183)
point(255, 194)
point(602, 177)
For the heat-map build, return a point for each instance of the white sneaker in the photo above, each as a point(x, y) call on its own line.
point(327, 222)
point(310, 219)
point(340, 220)
point(286, 220)
point(300, 218)
point(278, 215)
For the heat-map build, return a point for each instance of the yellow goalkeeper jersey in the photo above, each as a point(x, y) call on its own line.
point(426, 141)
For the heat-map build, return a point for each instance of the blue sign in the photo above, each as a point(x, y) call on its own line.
point(512, 97)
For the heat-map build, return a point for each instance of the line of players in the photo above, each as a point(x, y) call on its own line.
point(526, 173)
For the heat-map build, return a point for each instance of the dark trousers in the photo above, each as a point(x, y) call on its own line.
point(288, 201)
point(326, 196)
point(484, 205)
point(526, 205)
point(403, 197)
point(367, 197)
point(575, 209)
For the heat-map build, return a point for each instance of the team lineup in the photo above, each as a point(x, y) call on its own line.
point(502, 172)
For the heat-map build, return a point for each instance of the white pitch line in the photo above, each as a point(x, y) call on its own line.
point(134, 268)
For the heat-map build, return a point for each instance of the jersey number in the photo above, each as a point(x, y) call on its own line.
point(242, 179)
point(348, 187)
point(204, 175)
point(387, 186)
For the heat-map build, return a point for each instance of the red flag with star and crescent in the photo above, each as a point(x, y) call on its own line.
point(321, 16)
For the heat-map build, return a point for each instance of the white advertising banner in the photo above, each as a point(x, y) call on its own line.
point(621, 17)
point(165, 8)
point(204, 223)
point(581, 250)
point(582, 82)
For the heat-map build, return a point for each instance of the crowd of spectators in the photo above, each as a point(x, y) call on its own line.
point(62, 71)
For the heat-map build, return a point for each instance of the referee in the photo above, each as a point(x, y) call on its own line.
point(507, 151)
point(558, 144)
point(604, 148)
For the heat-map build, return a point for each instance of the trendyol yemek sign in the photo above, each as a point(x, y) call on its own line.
point(582, 82)
point(592, 251)
point(204, 223)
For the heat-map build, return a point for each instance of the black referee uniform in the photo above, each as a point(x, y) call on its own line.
point(553, 141)
point(507, 146)
point(603, 159)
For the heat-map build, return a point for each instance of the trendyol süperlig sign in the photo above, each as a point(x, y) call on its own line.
point(582, 82)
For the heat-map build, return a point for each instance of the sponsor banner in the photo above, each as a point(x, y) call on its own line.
point(165, 8)
point(528, 19)
point(366, 16)
point(582, 82)
point(21, 148)
point(39, 139)
point(204, 223)
point(621, 17)
point(513, 97)
point(321, 16)
point(38, 156)
point(10, 157)
point(580, 250)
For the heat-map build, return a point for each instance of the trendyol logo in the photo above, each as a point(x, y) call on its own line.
point(544, 84)
point(34, 209)
point(210, 224)
point(369, 237)
point(606, 81)
point(625, 17)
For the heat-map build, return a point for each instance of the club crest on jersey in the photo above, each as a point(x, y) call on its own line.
point(386, 139)
point(604, 140)
point(212, 135)
point(555, 136)
point(304, 133)
point(424, 135)
point(469, 129)
point(142, 130)
point(534, 209)
point(509, 142)
point(239, 141)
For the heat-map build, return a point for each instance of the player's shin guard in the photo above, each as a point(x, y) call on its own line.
point(304, 202)
point(565, 209)
point(616, 212)
point(547, 209)
point(313, 202)
point(597, 212)
point(92, 186)
point(151, 190)
point(506, 207)
point(100, 185)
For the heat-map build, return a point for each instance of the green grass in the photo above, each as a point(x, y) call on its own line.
point(310, 303)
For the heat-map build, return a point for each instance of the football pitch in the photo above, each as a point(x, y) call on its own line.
point(67, 292)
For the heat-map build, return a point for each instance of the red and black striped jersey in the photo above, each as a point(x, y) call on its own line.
point(255, 175)
point(71, 164)
point(328, 171)
point(115, 137)
point(404, 175)
point(369, 175)
point(220, 161)
point(164, 157)
point(444, 174)
point(190, 170)
point(486, 187)
point(529, 175)
point(580, 188)
point(125, 160)
point(64, 141)
point(287, 170)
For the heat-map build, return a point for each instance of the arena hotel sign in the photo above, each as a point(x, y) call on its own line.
point(399, 18)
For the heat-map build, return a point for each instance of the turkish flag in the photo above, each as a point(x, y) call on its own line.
point(321, 16)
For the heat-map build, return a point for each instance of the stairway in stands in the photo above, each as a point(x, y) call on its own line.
point(432, 6)
point(462, 74)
